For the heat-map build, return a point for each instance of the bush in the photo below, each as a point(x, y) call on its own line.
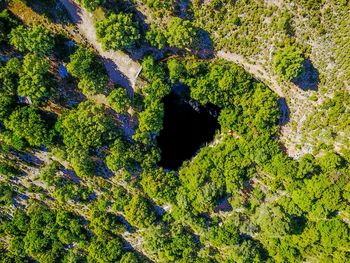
point(119, 100)
point(36, 39)
point(139, 212)
point(118, 31)
point(87, 67)
point(288, 62)
point(181, 33)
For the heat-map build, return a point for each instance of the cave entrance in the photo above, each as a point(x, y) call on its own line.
point(187, 126)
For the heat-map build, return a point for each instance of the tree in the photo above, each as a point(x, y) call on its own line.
point(85, 127)
point(156, 37)
point(177, 70)
point(91, 5)
point(121, 156)
point(117, 31)
point(34, 82)
point(225, 234)
point(37, 39)
point(139, 212)
point(27, 123)
point(106, 250)
point(160, 185)
point(7, 194)
point(156, 91)
point(150, 122)
point(273, 221)
point(87, 67)
point(9, 76)
point(176, 244)
point(119, 100)
point(7, 22)
point(248, 251)
point(152, 70)
point(288, 62)
point(130, 257)
point(7, 104)
point(181, 33)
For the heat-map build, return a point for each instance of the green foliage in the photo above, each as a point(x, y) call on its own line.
point(27, 123)
point(176, 244)
point(219, 83)
point(119, 100)
point(117, 31)
point(212, 171)
point(253, 114)
point(34, 81)
point(7, 104)
point(7, 22)
point(152, 70)
point(42, 233)
point(150, 122)
point(288, 62)
point(248, 251)
point(7, 193)
point(156, 37)
point(159, 4)
point(181, 33)
point(91, 5)
point(160, 185)
point(126, 156)
point(224, 234)
point(65, 189)
point(37, 39)
point(273, 221)
point(85, 127)
point(104, 250)
point(7, 170)
point(139, 212)
point(87, 67)
point(130, 257)
point(176, 70)
point(9, 75)
point(121, 198)
point(155, 91)
point(104, 223)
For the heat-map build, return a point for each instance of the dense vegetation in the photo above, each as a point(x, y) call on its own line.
point(80, 179)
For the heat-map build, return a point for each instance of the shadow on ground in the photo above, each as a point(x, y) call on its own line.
point(282, 103)
point(309, 79)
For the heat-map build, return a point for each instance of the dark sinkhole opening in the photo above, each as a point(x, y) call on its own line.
point(187, 126)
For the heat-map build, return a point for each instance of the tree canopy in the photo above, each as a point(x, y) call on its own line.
point(181, 33)
point(27, 123)
point(288, 62)
point(37, 39)
point(117, 31)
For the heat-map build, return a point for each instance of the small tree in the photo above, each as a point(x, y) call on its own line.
point(288, 62)
point(156, 91)
point(181, 33)
point(91, 5)
point(119, 100)
point(118, 31)
point(27, 123)
point(85, 127)
point(152, 70)
point(87, 67)
point(36, 39)
point(9, 75)
point(156, 37)
point(139, 212)
point(176, 70)
point(33, 80)
point(7, 103)
point(150, 122)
